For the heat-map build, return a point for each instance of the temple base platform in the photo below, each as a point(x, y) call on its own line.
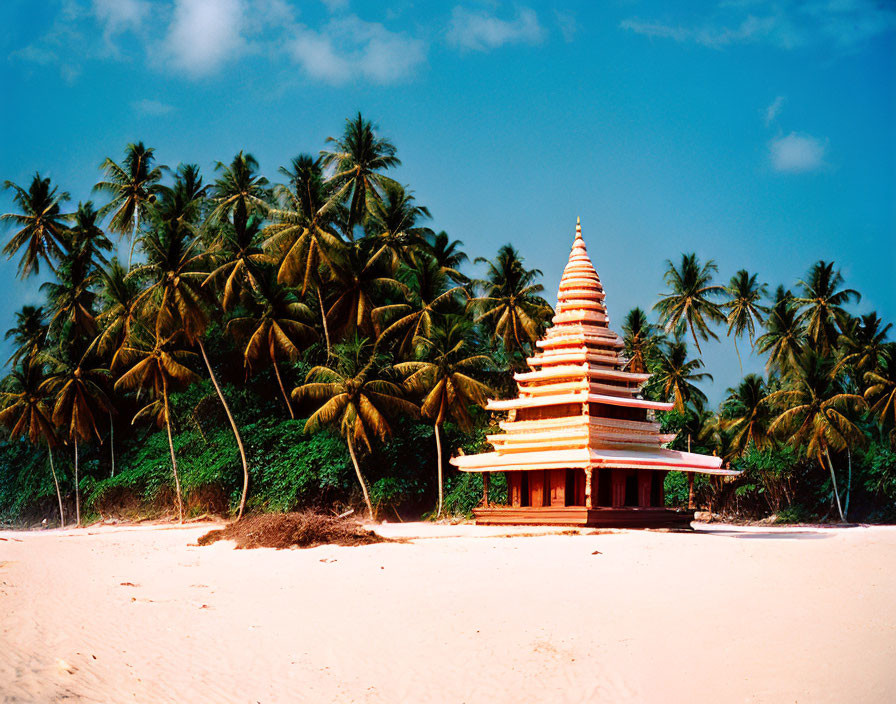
point(601, 517)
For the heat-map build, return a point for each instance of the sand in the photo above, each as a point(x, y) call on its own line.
point(458, 614)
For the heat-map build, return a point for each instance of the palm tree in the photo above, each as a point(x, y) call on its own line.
point(784, 336)
point(358, 159)
point(442, 379)
point(814, 415)
point(392, 224)
point(273, 328)
point(640, 339)
point(688, 306)
point(676, 376)
point(239, 191)
point(822, 304)
point(510, 304)
point(42, 232)
point(427, 293)
point(119, 307)
point(29, 333)
point(744, 310)
point(178, 301)
point(301, 235)
point(25, 410)
point(449, 255)
point(75, 382)
point(356, 396)
point(238, 255)
point(156, 369)
point(881, 391)
point(746, 415)
point(862, 344)
point(132, 186)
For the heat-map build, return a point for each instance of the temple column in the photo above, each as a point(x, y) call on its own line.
point(691, 504)
point(587, 487)
point(485, 489)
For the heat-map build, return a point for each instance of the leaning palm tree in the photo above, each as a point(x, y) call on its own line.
point(881, 391)
point(357, 396)
point(132, 187)
point(688, 305)
point(822, 302)
point(442, 379)
point(511, 306)
point(862, 345)
point(640, 340)
point(75, 382)
point(25, 409)
point(744, 309)
point(176, 300)
point(273, 328)
point(746, 415)
point(675, 376)
point(358, 159)
point(814, 415)
point(42, 233)
point(155, 369)
point(392, 223)
point(784, 336)
point(29, 333)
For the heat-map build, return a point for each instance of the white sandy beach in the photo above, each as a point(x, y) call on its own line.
point(138, 614)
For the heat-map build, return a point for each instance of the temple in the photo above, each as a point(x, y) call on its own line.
point(580, 446)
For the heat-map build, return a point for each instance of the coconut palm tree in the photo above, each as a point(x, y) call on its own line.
point(392, 224)
point(814, 415)
point(25, 409)
point(821, 303)
point(356, 395)
point(75, 383)
point(862, 344)
point(511, 306)
point(176, 299)
point(427, 294)
point(744, 310)
point(132, 187)
point(675, 376)
point(273, 328)
point(119, 307)
point(881, 391)
point(239, 192)
point(449, 255)
point(442, 379)
point(29, 333)
point(784, 337)
point(746, 415)
point(640, 339)
point(238, 255)
point(358, 159)
point(688, 305)
point(42, 233)
point(155, 369)
point(301, 235)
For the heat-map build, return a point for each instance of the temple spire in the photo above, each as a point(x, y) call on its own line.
point(578, 228)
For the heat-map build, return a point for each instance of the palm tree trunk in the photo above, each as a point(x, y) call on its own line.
point(133, 237)
point(694, 335)
point(848, 482)
point(323, 317)
point(739, 360)
point(439, 464)
point(58, 493)
point(112, 441)
point(77, 490)
point(351, 451)
point(236, 432)
point(282, 390)
point(834, 482)
point(180, 503)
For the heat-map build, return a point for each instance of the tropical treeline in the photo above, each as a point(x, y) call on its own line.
point(225, 342)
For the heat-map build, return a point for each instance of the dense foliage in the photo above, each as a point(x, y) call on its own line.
point(312, 343)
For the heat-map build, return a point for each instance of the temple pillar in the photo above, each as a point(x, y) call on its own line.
point(514, 488)
point(587, 487)
point(644, 478)
point(485, 489)
point(557, 478)
point(691, 503)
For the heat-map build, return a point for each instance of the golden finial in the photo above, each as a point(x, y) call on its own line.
point(578, 228)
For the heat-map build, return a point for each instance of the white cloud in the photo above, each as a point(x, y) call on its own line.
point(797, 153)
point(477, 30)
point(118, 16)
point(568, 25)
point(842, 23)
point(348, 48)
point(205, 34)
point(153, 108)
point(773, 110)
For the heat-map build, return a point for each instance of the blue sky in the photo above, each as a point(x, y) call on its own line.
point(759, 134)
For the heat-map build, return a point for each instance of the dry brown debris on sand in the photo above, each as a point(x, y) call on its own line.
point(287, 530)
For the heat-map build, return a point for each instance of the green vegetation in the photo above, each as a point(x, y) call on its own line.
point(314, 344)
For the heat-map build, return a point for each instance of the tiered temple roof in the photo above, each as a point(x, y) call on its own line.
point(579, 406)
